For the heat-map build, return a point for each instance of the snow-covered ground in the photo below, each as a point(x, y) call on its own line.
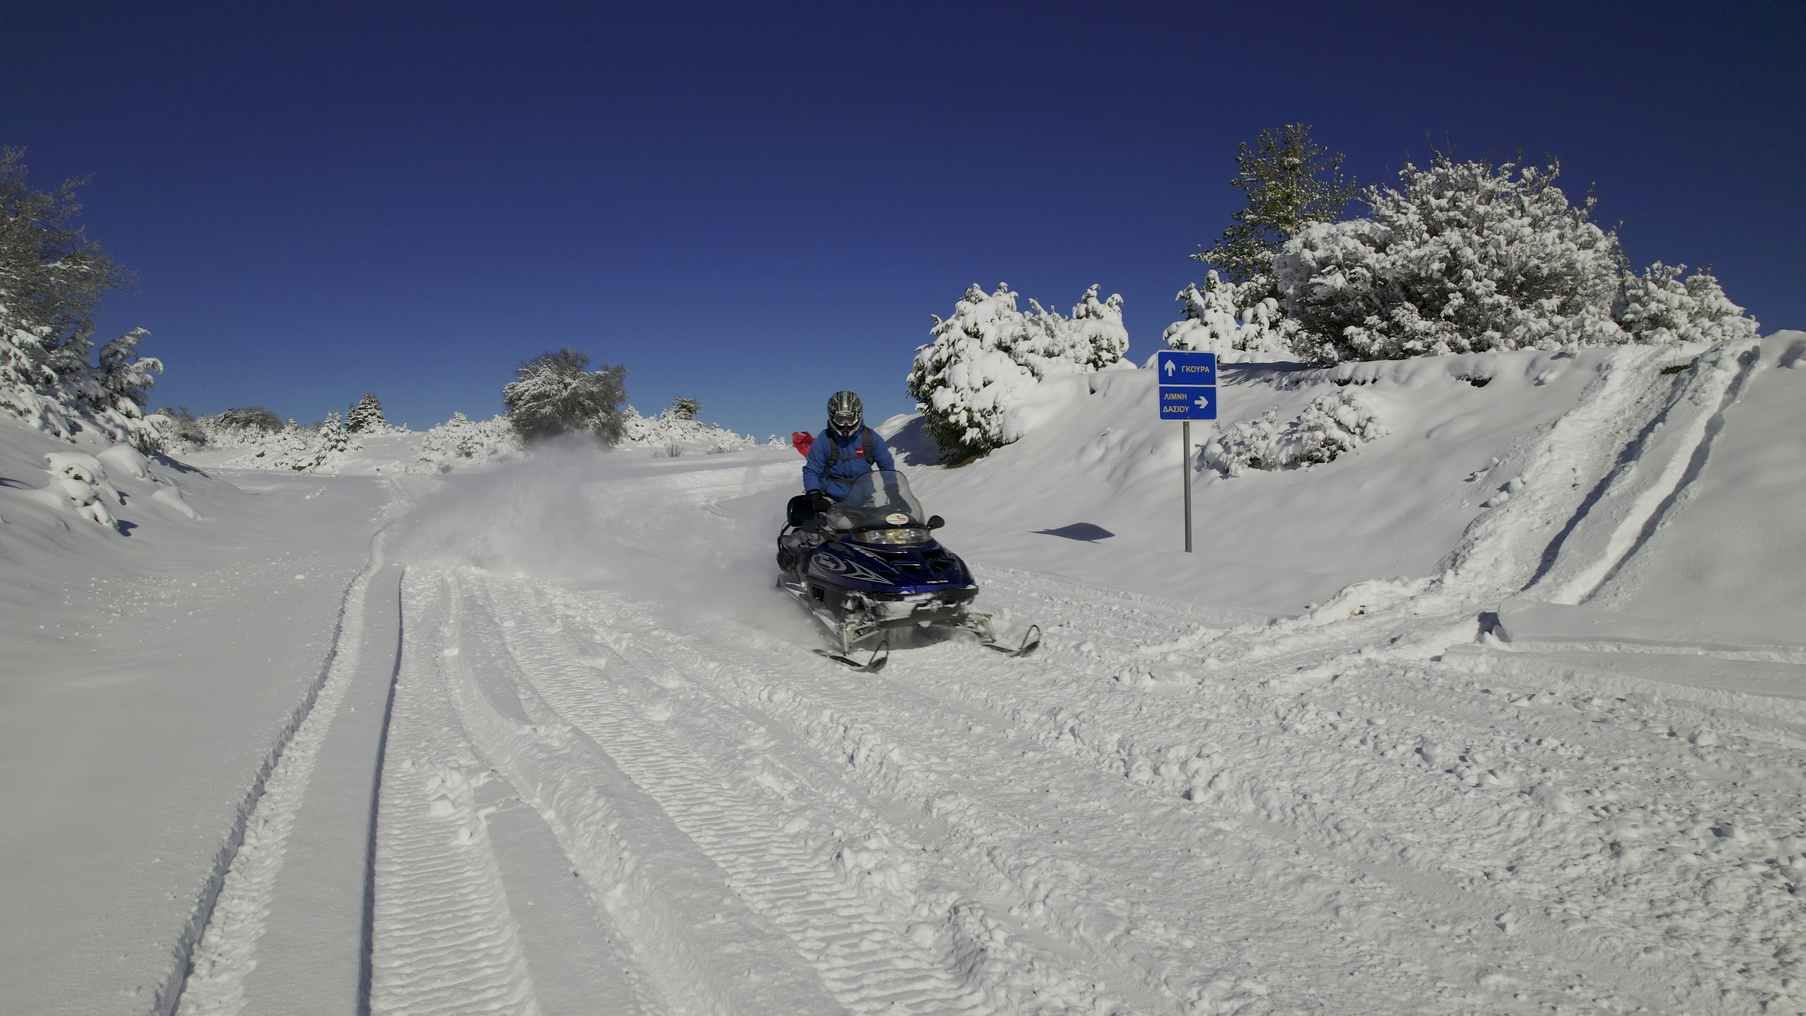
point(1502, 710)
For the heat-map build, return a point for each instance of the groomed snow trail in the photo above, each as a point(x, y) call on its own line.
point(615, 779)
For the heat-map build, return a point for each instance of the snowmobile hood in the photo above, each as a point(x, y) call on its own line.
point(890, 571)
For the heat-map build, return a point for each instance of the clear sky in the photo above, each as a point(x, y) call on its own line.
point(755, 205)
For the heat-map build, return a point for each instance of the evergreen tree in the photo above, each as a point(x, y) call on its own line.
point(685, 409)
point(366, 416)
point(123, 373)
point(1288, 182)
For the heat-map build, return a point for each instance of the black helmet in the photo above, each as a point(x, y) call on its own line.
point(846, 414)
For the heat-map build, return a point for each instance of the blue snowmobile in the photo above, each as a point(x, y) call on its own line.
point(868, 568)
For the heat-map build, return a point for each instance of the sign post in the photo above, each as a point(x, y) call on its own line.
point(1187, 391)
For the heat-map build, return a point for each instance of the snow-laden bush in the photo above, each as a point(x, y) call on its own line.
point(986, 359)
point(319, 449)
point(1234, 321)
point(673, 434)
point(461, 441)
point(83, 398)
point(243, 418)
point(1660, 306)
point(1331, 426)
point(557, 393)
point(180, 430)
point(1462, 257)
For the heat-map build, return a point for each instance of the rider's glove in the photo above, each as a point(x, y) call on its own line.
point(820, 501)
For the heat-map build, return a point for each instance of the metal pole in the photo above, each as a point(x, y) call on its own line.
point(1185, 474)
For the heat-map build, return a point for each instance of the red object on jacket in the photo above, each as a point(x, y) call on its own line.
point(802, 440)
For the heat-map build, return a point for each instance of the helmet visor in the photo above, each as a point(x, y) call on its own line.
point(844, 424)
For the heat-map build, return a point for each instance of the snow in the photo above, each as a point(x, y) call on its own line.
point(1495, 709)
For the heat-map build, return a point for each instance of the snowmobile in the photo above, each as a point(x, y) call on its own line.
point(868, 568)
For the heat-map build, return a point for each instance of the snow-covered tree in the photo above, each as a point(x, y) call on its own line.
point(684, 409)
point(1463, 257)
point(246, 418)
point(964, 381)
point(366, 417)
point(1660, 306)
point(1236, 321)
point(123, 373)
point(51, 275)
point(21, 369)
point(1094, 338)
point(180, 426)
point(557, 393)
point(986, 359)
point(1288, 182)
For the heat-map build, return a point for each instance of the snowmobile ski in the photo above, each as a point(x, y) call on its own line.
point(1031, 641)
point(873, 662)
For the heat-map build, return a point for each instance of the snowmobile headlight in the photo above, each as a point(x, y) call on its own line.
point(901, 536)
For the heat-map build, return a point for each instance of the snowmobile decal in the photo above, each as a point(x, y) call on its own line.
point(851, 569)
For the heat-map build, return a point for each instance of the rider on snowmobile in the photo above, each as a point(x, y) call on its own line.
point(843, 453)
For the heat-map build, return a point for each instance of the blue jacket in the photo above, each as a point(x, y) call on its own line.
point(848, 462)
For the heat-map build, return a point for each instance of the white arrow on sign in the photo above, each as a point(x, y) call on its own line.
point(1169, 368)
point(1201, 402)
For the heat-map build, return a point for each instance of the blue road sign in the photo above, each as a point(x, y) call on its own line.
point(1188, 385)
point(1188, 403)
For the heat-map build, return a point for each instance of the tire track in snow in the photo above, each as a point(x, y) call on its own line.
point(1366, 895)
point(873, 950)
point(1352, 769)
point(1631, 538)
point(220, 950)
point(445, 940)
point(638, 870)
point(1644, 514)
point(1057, 858)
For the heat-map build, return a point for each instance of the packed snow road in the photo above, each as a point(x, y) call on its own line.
point(613, 779)
point(545, 737)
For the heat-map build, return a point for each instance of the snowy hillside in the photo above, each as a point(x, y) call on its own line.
point(1483, 691)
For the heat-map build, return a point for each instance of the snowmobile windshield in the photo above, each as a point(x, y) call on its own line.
point(879, 498)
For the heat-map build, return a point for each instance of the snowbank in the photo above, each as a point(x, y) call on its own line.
point(1424, 451)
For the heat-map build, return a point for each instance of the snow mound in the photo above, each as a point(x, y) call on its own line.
point(171, 498)
point(1330, 427)
point(124, 460)
point(79, 482)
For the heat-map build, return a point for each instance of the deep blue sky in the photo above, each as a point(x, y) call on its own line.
point(757, 206)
